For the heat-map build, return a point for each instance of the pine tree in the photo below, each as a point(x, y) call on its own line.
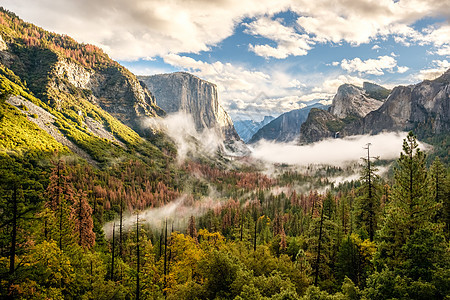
point(368, 203)
point(192, 230)
point(410, 207)
point(60, 197)
point(440, 192)
point(82, 218)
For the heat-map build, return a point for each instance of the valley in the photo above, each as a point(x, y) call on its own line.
point(122, 186)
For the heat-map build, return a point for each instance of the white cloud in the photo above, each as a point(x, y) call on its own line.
point(332, 151)
point(402, 70)
point(358, 22)
point(289, 42)
point(242, 90)
point(369, 66)
point(437, 69)
point(131, 29)
point(376, 47)
point(444, 51)
point(331, 84)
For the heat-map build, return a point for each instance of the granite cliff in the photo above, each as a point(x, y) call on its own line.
point(351, 100)
point(184, 92)
point(423, 108)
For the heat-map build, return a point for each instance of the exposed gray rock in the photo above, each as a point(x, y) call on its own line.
point(320, 125)
point(351, 100)
point(114, 89)
point(184, 92)
point(423, 107)
point(3, 45)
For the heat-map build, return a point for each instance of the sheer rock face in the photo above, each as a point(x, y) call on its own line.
point(351, 100)
point(184, 92)
point(423, 107)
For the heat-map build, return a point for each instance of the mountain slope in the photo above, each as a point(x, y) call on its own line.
point(286, 127)
point(59, 71)
point(247, 128)
point(74, 93)
point(320, 124)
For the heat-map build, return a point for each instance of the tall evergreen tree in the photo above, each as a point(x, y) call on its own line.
point(192, 230)
point(410, 207)
point(440, 192)
point(368, 203)
point(60, 197)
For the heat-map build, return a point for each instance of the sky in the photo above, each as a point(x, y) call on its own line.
point(266, 57)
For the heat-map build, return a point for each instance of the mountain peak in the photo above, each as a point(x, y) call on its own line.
point(351, 100)
point(185, 92)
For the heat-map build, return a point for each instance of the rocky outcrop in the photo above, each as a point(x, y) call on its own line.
point(285, 128)
point(351, 100)
point(184, 92)
point(60, 81)
point(114, 89)
point(423, 108)
point(320, 125)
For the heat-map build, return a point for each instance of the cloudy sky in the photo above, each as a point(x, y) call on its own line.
point(265, 56)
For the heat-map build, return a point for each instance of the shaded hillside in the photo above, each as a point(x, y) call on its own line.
point(285, 128)
point(60, 72)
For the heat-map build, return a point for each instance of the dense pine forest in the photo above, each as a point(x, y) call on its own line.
point(374, 238)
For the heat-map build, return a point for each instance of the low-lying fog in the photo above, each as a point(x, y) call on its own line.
point(335, 152)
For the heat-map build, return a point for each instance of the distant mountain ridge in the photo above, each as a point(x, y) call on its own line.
point(423, 108)
point(286, 127)
point(247, 128)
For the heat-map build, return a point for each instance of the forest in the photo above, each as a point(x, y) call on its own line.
point(264, 237)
